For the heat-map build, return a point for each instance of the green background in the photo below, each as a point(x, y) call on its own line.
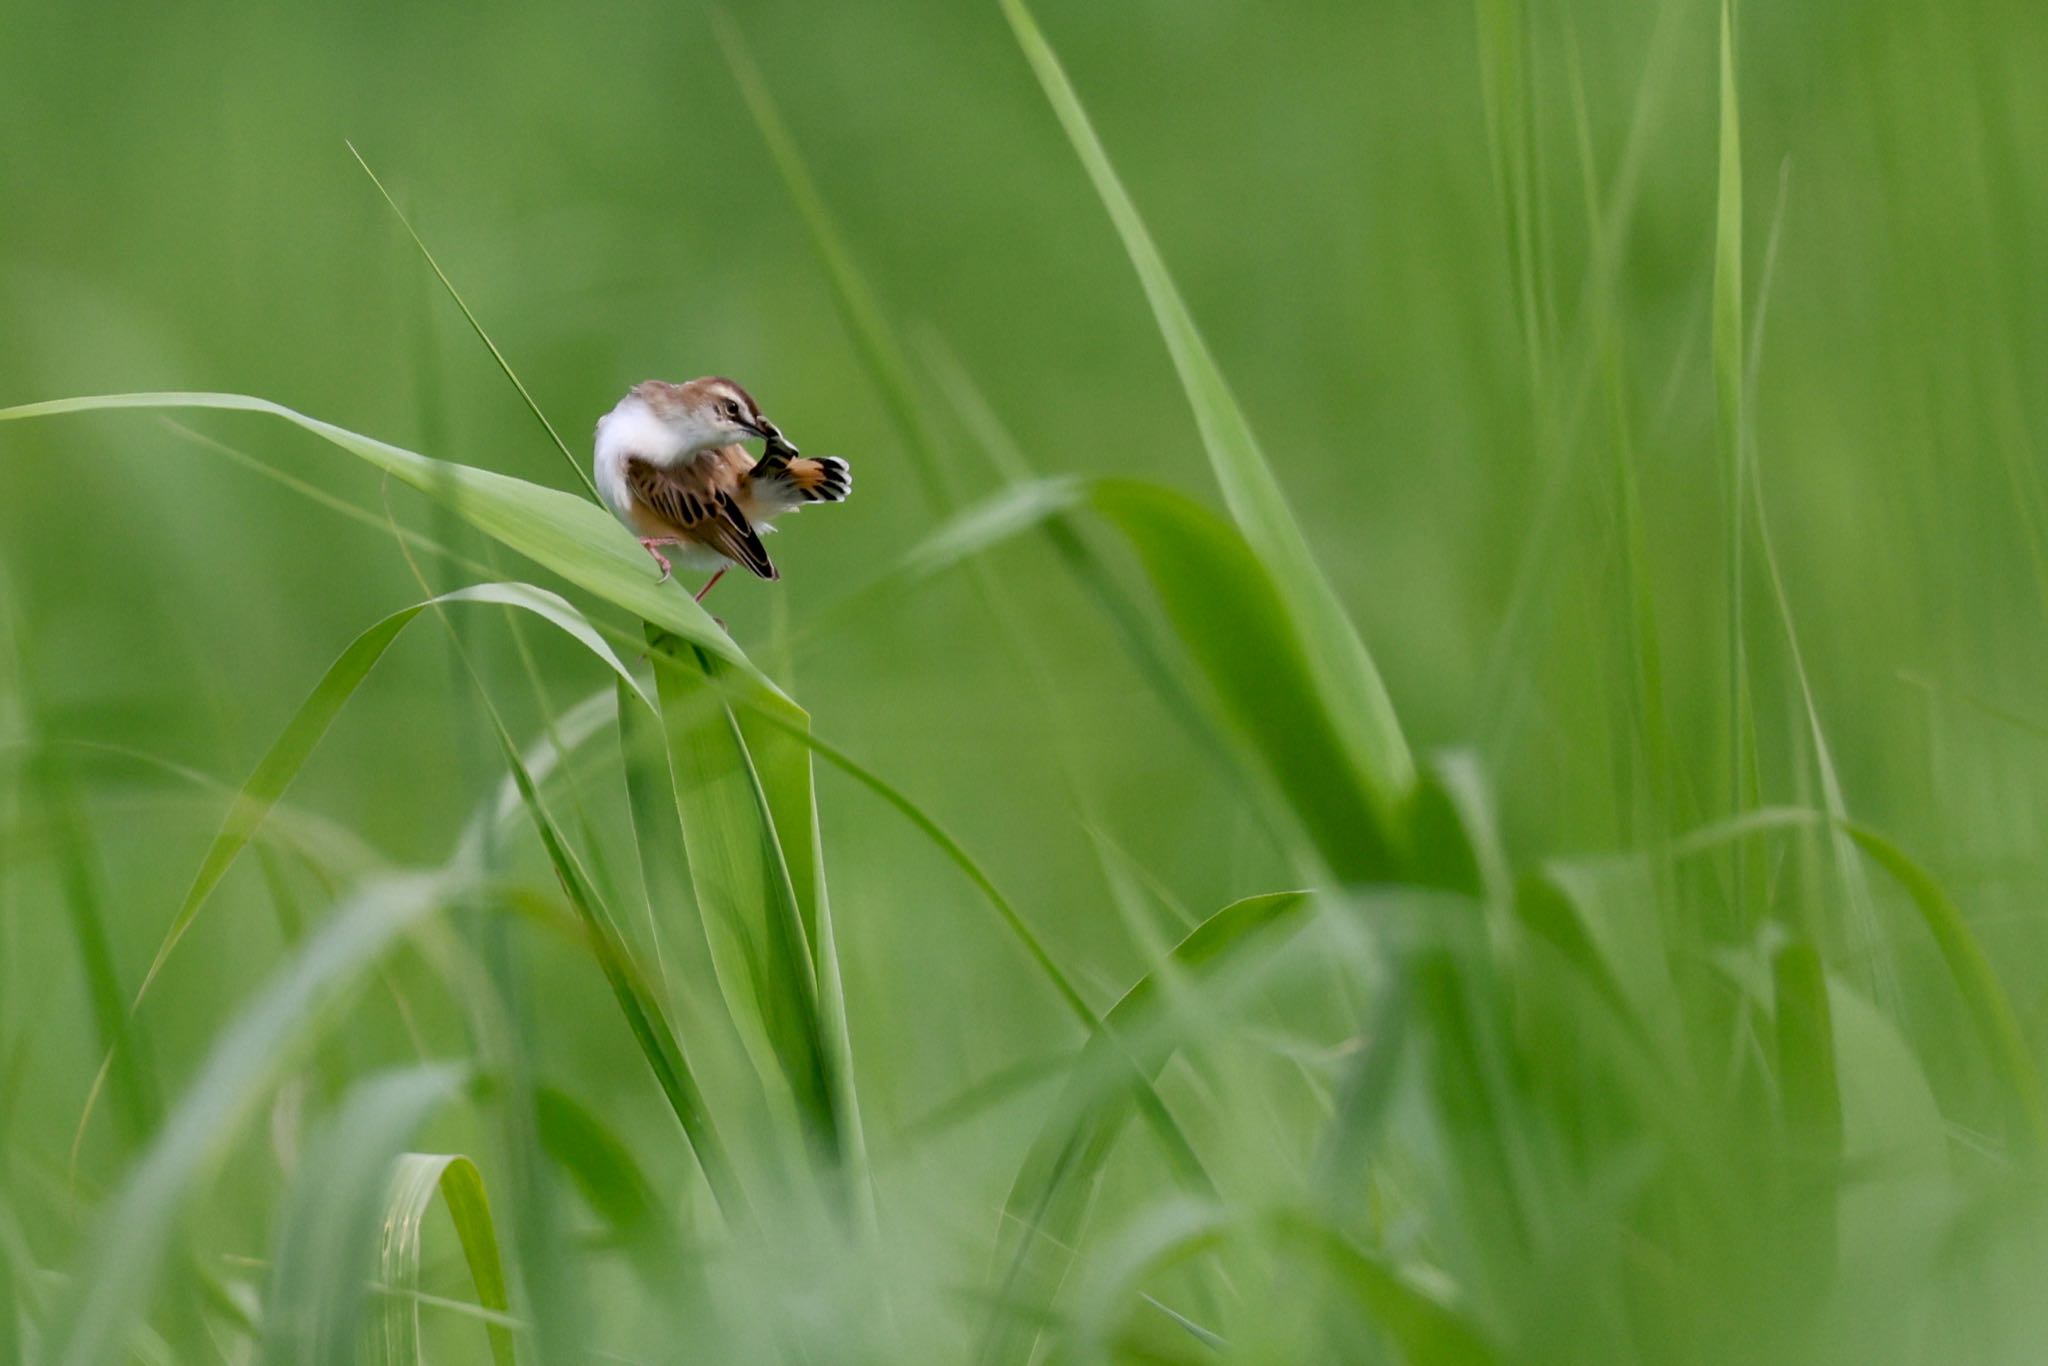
point(1491, 406)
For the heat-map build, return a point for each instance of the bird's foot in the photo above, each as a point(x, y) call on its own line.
point(648, 544)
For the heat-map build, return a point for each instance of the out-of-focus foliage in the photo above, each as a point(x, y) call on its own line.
point(1559, 486)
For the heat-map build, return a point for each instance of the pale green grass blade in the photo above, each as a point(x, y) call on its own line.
point(613, 1185)
point(1343, 669)
point(134, 1235)
point(775, 734)
point(741, 873)
point(576, 466)
point(326, 1241)
point(570, 536)
point(978, 528)
point(1164, 1236)
point(643, 1014)
point(1164, 1125)
point(1119, 1063)
point(1230, 615)
point(1875, 968)
point(48, 783)
point(676, 925)
point(1594, 913)
point(1426, 1330)
point(416, 1180)
point(1731, 426)
point(1809, 1092)
point(287, 754)
point(1991, 1010)
point(84, 895)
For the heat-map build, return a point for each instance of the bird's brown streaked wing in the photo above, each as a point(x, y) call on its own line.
point(698, 505)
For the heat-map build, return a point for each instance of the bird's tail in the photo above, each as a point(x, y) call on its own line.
point(780, 477)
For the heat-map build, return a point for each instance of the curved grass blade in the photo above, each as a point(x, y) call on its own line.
point(329, 1230)
point(416, 1179)
point(1164, 1236)
point(569, 535)
point(1229, 613)
point(613, 1185)
point(134, 1235)
point(746, 885)
point(1155, 1111)
point(1120, 1062)
point(1990, 1008)
point(643, 1013)
point(1427, 1331)
point(287, 754)
point(1343, 668)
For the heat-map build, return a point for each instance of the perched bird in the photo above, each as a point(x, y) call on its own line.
point(670, 465)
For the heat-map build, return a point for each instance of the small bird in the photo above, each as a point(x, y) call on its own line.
point(669, 464)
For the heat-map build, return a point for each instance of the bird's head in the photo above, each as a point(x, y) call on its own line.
point(707, 412)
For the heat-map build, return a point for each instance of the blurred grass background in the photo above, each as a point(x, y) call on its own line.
point(1381, 223)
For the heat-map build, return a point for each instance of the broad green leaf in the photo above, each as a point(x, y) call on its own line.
point(415, 1180)
point(1342, 669)
point(569, 535)
point(741, 872)
point(1229, 614)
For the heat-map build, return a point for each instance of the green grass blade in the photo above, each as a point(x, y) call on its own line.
point(1426, 1330)
point(1343, 668)
point(327, 1239)
point(1990, 1008)
point(1162, 1121)
point(1230, 616)
point(82, 880)
point(49, 784)
point(613, 1185)
point(1166, 1235)
point(1119, 1063)
point(134, 1234)
point(288, 753)
point(742, 875)
point(415, 1181)
point(1809, 1092)
point(1731, 427)
point(568, 535)
point(576, 466)
point(774, 733)
point(643, 1013)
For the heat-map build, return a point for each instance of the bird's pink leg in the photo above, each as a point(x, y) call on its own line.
point(648, 543)
point(714, 579)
